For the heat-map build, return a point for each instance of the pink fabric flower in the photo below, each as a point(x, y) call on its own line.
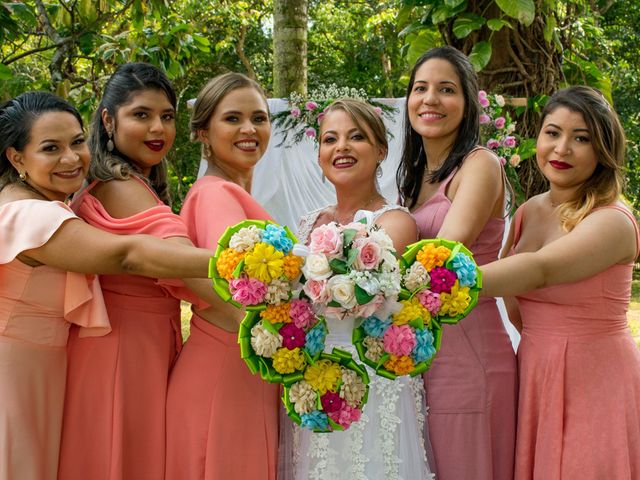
point(292, 336)
point(311, 105)
point(310, 132)
point(331, 402)
point(326, 239)
point(442, 279)
point(295, 112)
point(369, 253)
point(493, 144)
point(499, 122)
point(484, 119)
point(399, 340)
point(302, 314)
point(317, 291)
point(346, 415)
point(429, 300)
point(509, 141)
point(247, 291)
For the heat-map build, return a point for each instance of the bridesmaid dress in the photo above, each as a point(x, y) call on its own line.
point(579, 406)
point(37, 307)
point(472, 384)
point(222, 421)
point(114, 423)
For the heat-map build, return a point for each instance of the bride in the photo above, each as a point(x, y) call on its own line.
point(387, 443)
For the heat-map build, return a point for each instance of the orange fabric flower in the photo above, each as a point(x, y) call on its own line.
point(399, 365)
point(292, 265)
point(227, 262)
point(431, 256)
point(277, 313)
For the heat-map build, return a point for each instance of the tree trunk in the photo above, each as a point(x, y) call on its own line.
point(290, 47)
point(523, 64)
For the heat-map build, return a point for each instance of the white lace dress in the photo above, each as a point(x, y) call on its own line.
point(386, 444)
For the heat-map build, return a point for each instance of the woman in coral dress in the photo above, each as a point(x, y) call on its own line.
point(43, 159)
point(456, 190)
point(222, 421)
point(114, 425)
point(579, 408)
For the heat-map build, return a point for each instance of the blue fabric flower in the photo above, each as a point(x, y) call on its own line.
point(315, 420)
point(424, 348)
point(314, 339)
point(465, 269)
point(276, 236)
point(375, 327)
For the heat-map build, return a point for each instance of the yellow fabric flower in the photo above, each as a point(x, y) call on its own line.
point(456, 302)
point(411, 309)
point(227, 262)
point(431, 256)
point(288, 361)
point(399, 365)
point(277, 313)
point(292, 265)
point(323, 376)
point(264, 262)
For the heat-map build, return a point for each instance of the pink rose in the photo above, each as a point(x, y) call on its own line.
point(482, 94)
point(359, 227)
point(310, 132)
point(503, 161)
point(484, 102)
point(509, 142)
point(368, 309)
point(500, 121)
point(484, 119)
point(399, 340)
point(295, 112)
point(311, 105)
point(317, 291)
point(378, 110)
point(247, 291)
point(493, 144)
point(369, 253)
point(326, 239)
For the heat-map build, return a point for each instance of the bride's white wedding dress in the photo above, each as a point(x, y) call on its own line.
point(386, 444)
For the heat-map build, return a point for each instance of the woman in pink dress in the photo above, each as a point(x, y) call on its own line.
point(43, 159)
point(114, 425)
point(222, 421)
point(456, 190)
point(579, 406)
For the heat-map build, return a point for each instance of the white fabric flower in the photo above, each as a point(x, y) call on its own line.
point(353, 388)
point(303, 397)
point(416, 276)
point(375, 348)
point(277, 292)
point(263, 342)
point(245, 238)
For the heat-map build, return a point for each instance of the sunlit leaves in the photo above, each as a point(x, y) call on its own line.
point(522, 10)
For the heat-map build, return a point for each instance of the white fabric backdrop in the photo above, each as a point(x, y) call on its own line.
point(287, 180)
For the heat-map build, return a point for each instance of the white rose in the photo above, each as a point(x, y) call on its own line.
point(342, 290)
point(381, 238)
point(369, 284)
point(500, 100)
point(316, 267)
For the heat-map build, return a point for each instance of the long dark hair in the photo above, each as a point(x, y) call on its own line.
point(17, 117)
point(413, 162)
point(128, 80)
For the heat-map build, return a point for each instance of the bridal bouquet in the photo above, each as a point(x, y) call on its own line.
point(329, 395)
point(281, 340)
point(253, 266)
point(350, 270)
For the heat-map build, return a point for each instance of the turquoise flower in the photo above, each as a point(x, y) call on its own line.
point(424, 348)
point(315, 420)
point(374, 327)
point(465, 269)
point(276, 236)
point(314, 340)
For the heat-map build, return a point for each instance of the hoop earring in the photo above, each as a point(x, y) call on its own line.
point(110, 145)
point(379, 170)
point(23, 176)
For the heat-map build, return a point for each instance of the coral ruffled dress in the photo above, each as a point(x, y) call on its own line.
point(37, 306)
point(222, 421)
point(579, 407)
point(114, 425)
point(471, 385)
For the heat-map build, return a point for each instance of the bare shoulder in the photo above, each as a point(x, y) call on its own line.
point(400, 226)
point(481, 161)
point(124, 198)
point(397, 217)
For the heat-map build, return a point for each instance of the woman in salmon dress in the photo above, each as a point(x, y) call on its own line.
point(579, 408)
point(114, 425)
point(43, 159)
point(222, 421)
point(456, 190)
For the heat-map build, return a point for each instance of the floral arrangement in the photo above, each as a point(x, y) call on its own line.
point(254, 266)
point(440, 284)
point(350, 270)
point(281, 340)
point(329, 395)
point(303, 117)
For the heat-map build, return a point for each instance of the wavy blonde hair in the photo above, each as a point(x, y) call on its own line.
point(608, 140)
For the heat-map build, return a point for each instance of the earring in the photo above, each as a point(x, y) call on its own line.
point(110, 145)
point(379, 170)
point(23, 176)
point(206, 149)
point(324, 179)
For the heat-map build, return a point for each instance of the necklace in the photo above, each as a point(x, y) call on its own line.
point(349, 216)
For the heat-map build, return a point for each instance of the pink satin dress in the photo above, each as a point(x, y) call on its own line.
point(37, 307)
point(472, 384)
point(579, 406)
point(222, 421)
point(114, 425)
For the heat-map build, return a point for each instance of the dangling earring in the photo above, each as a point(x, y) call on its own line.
point(23, 176)
point(206, 150)
point(379, 170)
point(324, 179)
point(110, 145)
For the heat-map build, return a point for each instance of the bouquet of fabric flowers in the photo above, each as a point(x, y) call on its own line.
point(350, 270)
point(253, 266)
point(281, 340)
point(329, 395)
point(440, 284)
